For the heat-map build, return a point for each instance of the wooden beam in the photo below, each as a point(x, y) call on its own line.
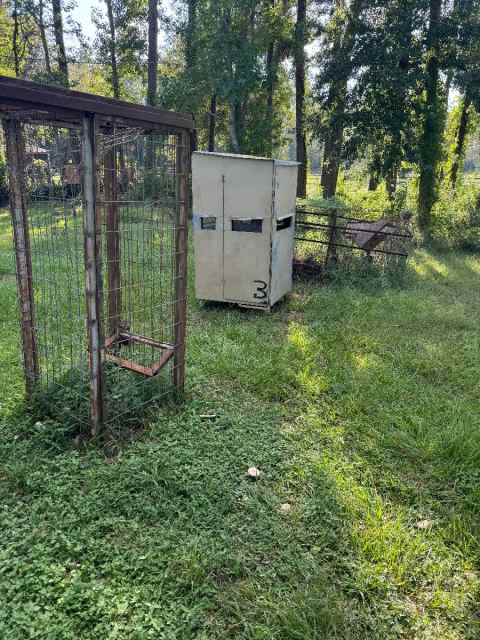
point(93, 289)
point(183, 165)
point(112, 227)
point(41, 96)
point(16, 163)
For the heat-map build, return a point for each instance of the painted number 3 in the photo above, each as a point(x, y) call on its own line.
point(261, 292)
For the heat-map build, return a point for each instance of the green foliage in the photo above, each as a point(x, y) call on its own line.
point(130, 43)
point(457, 217)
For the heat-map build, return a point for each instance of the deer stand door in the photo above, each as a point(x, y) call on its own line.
point(247, 220)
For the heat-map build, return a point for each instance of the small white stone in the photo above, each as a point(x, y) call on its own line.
point(424, 524)
point(253, 473)
point(286, 507)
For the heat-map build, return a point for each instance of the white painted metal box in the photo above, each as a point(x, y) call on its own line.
point(244, 225)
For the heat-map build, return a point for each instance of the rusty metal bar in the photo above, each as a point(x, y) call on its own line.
point(313, 226)
point(353, 248)
point(183, 159)
point(93, 289)
point(112, 241)
point(148, 372)
point(16, 163)
point(332, 248)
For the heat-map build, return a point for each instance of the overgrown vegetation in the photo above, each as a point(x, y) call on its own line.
point(358, 403)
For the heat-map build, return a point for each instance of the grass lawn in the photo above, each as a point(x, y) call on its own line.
point(359, 402)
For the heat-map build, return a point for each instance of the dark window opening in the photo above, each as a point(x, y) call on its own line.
point(284, 223)
point(248, 225)
point(209, 223)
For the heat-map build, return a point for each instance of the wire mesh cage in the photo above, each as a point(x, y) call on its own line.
point(99, 208)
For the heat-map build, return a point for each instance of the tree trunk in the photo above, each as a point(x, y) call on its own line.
point(337, 98)
point(233, 126)
point(332, 153)
point(271, 81)
point(60, 42)
point(373, 181)
point(391, 180)
point(113, 50)
point(430, 148)
point(300, 97)
point(15, 39)
point(212, 121)
point(152, 52)
point(43, 38)
point(460, 144)
point(190, 49)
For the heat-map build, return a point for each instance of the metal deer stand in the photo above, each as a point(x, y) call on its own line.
point(100, 231)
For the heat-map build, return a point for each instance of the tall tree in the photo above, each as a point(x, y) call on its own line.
point(120, 45)
point(152, 64)
point(300, 39)
point(190, 35)
point(113, 49)
point(461, 137)
point(465, 74)
point(383, 99)
point(16, 38)
point(212, 117)
point(37, 11)
point(433, 121)
point(63, 76)
point(337, 71)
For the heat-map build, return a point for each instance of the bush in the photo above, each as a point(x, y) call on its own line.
point(456, 218)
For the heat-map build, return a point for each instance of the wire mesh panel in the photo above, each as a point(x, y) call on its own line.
point(138, 209)
point(54, 202)
point(99, 195)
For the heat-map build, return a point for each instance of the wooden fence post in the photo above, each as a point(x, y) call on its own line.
point(93, 274)
point(16, 164)
point(112, 242)
point(181, 247)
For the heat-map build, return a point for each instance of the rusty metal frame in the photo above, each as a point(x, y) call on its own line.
point(93, 276)
point(112, 241)
point(16, 161)
point(22, 102)
point(184, 146)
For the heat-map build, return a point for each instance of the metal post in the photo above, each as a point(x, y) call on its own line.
point(181, 240)
point(331, 257)
point(16, 164)
point(112, 242)
point(93, 289)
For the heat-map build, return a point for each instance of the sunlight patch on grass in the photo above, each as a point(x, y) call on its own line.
point(425, 264)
